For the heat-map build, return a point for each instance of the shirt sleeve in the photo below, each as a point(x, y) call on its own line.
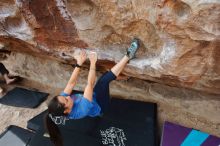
point(82, 108)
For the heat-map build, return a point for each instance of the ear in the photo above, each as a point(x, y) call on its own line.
point(66, 111)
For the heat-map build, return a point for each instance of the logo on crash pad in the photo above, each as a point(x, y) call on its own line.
point(113, 136)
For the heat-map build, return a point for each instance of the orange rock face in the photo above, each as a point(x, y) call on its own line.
point(180, 39)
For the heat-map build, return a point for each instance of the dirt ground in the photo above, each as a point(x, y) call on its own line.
point(19, 116)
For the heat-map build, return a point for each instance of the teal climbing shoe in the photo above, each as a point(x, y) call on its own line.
point(131, 51)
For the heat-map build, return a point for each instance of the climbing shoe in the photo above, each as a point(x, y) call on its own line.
point(131, 51)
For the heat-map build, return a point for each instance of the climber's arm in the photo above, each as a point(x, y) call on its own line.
point(81, 58)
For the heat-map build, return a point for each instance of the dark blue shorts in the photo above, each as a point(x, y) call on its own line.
point(101, 90)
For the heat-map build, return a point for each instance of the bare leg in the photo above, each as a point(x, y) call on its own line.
point(7, 79)
point(102, 86)
point(117, 69)
point(1, 90)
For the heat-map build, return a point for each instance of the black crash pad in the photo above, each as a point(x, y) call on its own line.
point(128, 123)
point(36, 122)
point(71, 138)
point(20, 97)
point(15, 136)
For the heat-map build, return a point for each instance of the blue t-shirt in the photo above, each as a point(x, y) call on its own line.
point(82, 107)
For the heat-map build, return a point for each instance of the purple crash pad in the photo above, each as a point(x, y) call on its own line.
point(174, 135)
point(212, 141)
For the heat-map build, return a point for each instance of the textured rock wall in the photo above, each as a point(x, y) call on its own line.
point(180, 39)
